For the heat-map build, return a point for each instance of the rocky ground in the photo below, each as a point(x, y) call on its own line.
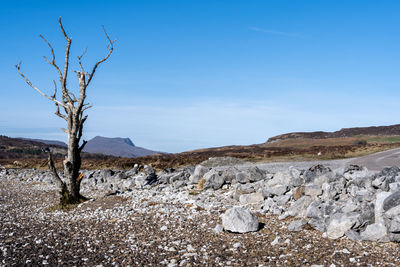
point(173, 219)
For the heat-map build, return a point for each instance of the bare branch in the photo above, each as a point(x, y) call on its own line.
point(18, 66)
point(110, 50)
point(82, 146)
point(55, 90)
point(59, 114)
point(62, 29)
point(53, 169)
point(58, 106)
point(74, 97)
point(87, 107)
point(80, 60)
point(65, 130)
point(80, 130)
point(65, 74)
point(53, 61)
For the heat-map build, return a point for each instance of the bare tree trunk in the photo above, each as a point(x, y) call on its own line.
point(72, 164)
point(74, 108)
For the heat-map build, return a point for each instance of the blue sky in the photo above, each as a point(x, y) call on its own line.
point(195, 74)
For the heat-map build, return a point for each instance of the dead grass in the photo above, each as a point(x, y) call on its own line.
point(200, 185)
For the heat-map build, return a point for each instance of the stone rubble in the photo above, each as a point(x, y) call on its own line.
point(349, 202)
point(345, 202)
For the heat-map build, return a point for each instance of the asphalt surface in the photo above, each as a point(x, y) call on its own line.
point(380, 160)
point(373, 162)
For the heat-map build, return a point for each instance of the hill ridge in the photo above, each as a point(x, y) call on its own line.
point(344, 132)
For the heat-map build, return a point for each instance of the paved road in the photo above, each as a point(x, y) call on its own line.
point(380, 160)
point(373, 162)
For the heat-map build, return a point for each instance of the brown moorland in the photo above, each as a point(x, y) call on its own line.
point(293, 149)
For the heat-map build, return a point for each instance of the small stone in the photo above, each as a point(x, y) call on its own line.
point(276, 241)
point(237, 245)
point(164, 228)
point(345, 251)
point(190, 248)
point(218, 229)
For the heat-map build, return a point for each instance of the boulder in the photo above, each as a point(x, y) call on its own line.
point(251, 174)
point(393, 200)
point(367, 214)
point(353, 172)
point(349, 206)
point(239, 220)
point(312, 190)
point(315, 172)
point(213, 179)
point(229, 175)
point(198, 173)
point(318, 224)
point(277, 190)
point(297, 179)
point(316, 210)
point(393, 212)
point(375, 232)
point(222, 161)
point(297, 225)
point(387, 176)
point(299, 207)
point(353, 235)
point(379, 204)
point(395, 225)
point(269, 205)
point(328, 192)
point(340, 224)
point(282, 200)
point(252, 198)
point(280, 178)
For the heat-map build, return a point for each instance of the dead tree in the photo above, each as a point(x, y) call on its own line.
point(70, 108)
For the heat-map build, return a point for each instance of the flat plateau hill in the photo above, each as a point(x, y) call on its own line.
point(118, 147)
point(391, 130)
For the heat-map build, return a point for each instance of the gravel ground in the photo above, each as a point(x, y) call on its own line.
point(151, 228)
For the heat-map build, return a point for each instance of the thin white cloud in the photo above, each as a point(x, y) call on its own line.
point(287, 34)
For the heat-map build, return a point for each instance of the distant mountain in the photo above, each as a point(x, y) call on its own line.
point(390, 130)
point(48, 142)
point(27, 148)
point(119, 147)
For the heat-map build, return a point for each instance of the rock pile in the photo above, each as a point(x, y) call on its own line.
point(351, 201)
point(354, 202)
